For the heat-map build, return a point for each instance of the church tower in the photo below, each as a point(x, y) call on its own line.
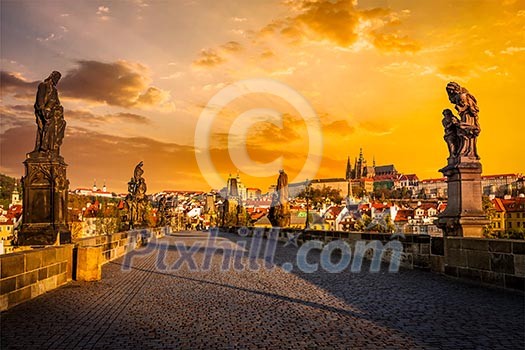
point(15, 196)
point(348, 174)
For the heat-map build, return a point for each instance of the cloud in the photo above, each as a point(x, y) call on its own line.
point(454, 71)
point(336, 22)
point(232, 46)
point(287, 71)
point(88, 117)
point(406, 68)
point(214, 57)
point(14, 115)
point(239, 19)
point(15, 84)
point(120, 83)
point(512, 50)
point(267, 54)
point(394, 42)
point(50, 37)
point(172, 76)
point(92, 154)
point(341, 24)
point(103, 12)
point(208, 58)
point(339, 127)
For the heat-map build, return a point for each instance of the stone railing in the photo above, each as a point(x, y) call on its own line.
point(495, 262)
point(29, 273)
point(498, 262)
point(93, 252)
point(419, 251)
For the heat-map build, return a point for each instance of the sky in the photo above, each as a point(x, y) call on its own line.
point(139, 76)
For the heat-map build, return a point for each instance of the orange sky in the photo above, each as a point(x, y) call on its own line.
point(137, 76)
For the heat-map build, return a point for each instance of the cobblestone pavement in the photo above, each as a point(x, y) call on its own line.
point(151, 308)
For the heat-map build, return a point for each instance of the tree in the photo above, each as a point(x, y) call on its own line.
point(363, 223)
point(319, 195)
point(490, 212)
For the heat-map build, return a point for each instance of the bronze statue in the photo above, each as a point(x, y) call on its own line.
point(49, 116)
point(468, 129)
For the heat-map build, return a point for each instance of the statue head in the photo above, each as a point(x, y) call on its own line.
point(54, 77)
point(453, 89)
point(447, 113)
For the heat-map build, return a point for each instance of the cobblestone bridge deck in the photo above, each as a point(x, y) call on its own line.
point(149, 307)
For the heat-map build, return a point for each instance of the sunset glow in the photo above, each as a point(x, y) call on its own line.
point(136, 76)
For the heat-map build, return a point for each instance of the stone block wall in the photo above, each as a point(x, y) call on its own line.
point(27, 274)
point(416, 248)
point(496, 262)
point(93, 252)
point(489, 261)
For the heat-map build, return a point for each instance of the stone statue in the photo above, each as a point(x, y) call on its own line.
point(279, 213)
point(136, 199)
point(468, 129)
point(49, 116)
point(282, 187)
point(45, 183)
point(464, 214)
point(451, 124)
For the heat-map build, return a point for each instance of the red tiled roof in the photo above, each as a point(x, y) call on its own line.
point(403, 214)
point(8, 222)
point(498, 206)
point(514, 205)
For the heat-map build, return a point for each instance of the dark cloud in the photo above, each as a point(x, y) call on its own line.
point(119, 83)
point(91, 155)
point(11, 114)
point(13, 84)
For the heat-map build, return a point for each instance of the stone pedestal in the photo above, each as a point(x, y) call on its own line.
point(45, 185)
point(464, 216)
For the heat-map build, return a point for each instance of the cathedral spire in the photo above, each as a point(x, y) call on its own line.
point(348, 174)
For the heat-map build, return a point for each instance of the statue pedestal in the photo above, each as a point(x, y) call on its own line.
point(44, 220)
point(464, 214)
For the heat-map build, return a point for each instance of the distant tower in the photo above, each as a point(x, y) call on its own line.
point(348, 174)
point(15, 196)
point(104, 188)
point(374, 162)
point(359, 169)
point(95, 185)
